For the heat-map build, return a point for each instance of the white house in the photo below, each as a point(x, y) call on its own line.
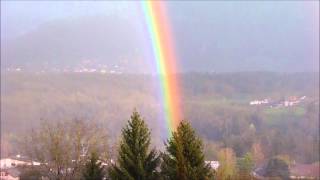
point(7, 175)
point(258, 102)
point(7, 163)
point(213, 164)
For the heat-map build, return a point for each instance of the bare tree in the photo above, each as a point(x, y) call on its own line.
point(63, 147)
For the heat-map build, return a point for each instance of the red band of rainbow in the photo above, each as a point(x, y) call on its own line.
point(163, 49)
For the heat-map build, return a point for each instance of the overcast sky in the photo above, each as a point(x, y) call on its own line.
point(18, 17)
point(229, 29)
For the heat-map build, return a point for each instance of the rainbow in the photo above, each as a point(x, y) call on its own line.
point(166, 61)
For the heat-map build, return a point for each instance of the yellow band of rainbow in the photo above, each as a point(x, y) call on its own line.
point(163, 50)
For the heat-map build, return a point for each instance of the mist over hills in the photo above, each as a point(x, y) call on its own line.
point(70, 43)
point(270, 40)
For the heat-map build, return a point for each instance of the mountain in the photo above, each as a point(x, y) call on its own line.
point(94, 41)
point(203, 44)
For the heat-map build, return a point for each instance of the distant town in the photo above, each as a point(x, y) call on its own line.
point(103, 70)
point(84, 66)
point(291, 101)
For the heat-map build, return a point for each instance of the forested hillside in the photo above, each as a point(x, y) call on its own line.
point(217, 105)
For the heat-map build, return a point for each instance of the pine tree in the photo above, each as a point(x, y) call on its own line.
point(184, 159)
point(93, 169)
point(135, 160)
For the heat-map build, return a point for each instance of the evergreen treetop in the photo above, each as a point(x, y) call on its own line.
point(135, 160)
point(93, 169)
point(184, 159)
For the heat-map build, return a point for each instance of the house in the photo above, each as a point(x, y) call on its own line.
point(303, 97)
point(305, 171)
point(213, 164)
point(17, 160)
point(259, 102)
point(297, 171)
point(10, 163)
point(103, 71)
point(9, 174)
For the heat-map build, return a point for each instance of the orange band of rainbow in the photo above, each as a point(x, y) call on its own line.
point(163, 49)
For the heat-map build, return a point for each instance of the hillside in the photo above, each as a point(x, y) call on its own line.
point(208, 101)
point(124, 42)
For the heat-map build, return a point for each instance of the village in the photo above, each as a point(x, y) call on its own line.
point(291, 101)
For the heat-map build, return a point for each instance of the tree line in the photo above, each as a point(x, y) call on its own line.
point(215, 104)
point(79, 150)
point(76, 151)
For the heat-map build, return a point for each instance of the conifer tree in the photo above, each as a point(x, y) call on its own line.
point(135, 160)
point(93, 169)
point(184, 159)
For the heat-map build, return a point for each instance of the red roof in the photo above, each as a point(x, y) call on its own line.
point(307, 170)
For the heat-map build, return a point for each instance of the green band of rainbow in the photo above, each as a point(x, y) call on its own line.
point(163, 50)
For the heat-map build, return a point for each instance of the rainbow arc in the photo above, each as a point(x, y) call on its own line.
point(166, 61)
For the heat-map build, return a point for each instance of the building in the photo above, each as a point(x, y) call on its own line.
point(17, 160)
point(10, 163)
point(9, 174)
point(297, 171)
point(305, 171)
point(259, 102)
point(213, 164)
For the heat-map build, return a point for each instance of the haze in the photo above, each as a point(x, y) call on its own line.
point(208, 36)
